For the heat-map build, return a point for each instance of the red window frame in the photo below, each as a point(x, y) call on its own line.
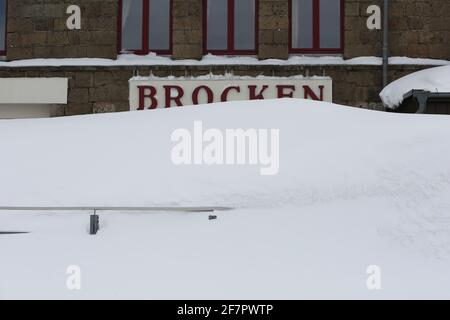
point(230, 41)
point(3, 52)
point(316, 31)
point(145, 31)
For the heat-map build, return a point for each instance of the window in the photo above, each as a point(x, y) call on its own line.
point(230, 26)
point(316, 26)
point(2, 27)
point(146, 26)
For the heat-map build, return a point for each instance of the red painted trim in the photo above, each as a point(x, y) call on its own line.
point(231, 31)
point(316, 24)
point(316, 31)
point(145, 26)
point(290, 25)
point(342, 26)
point(257, 26)
point(3, 52)
point(171, 29)
point(314, 50)
point(119, 27)
point(231, 25)
point(145, 41)
point(204, 25)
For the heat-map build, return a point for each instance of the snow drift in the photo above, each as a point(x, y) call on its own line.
point(432, 80)
point(356, 188)
point(326, 152)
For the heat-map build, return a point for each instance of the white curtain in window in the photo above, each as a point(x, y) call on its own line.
point(302, 24)
point(126, 9)
point(131, 25)
point(2, 24)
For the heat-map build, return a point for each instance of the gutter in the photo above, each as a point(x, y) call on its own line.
point(385, 42)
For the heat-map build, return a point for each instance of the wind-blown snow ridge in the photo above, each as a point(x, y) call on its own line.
point(327, 152)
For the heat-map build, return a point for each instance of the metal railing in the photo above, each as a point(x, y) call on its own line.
point(103, 208)
point(94, 220)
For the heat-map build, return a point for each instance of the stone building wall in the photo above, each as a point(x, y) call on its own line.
point(358, 39)
point(106, 89)
point(418, 29)
point(187, 29)
point(37, 29)
point(273, 32)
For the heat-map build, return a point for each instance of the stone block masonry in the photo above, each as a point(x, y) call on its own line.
point(106, 89)
point(187, 29)
point(37, 29)
point(273, 31)
point(418, 29)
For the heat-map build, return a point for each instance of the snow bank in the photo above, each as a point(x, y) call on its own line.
point(312, 252)
point(356, 188)
point(211, 60)
point(432, 80)
point(326, 152)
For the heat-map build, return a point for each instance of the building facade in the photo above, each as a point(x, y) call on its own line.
point(95, 47)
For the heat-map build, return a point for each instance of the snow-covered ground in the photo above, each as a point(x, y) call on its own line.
point(356, 188)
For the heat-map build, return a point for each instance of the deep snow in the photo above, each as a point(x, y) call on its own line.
point(355, 188)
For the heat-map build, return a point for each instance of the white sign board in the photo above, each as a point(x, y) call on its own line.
point(152, 93)
point(33, 90)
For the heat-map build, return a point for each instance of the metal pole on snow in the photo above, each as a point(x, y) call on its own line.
point(94, 223)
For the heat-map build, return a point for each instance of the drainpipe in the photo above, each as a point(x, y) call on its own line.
point(385, 42)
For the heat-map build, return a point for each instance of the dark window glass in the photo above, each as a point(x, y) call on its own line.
point(159, 33)
point(132, 25)
point(231, 26)
point(244, 25)
point(217, 24)
point(146, 26)
point(2, 26)
point(302, 23)
point(316, 25)
point(330, 24)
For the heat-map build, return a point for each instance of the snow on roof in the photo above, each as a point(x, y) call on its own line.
point(227, 76)
point(211, 60)
point(432, 80)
